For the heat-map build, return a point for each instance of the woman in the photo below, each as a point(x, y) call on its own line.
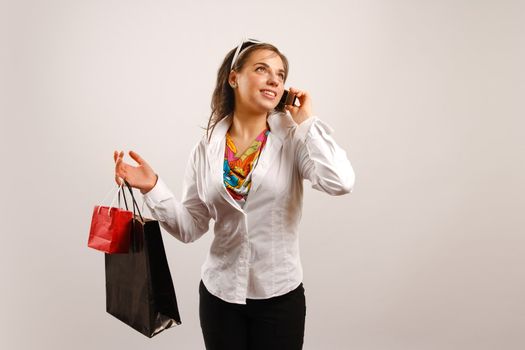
point(247, 174)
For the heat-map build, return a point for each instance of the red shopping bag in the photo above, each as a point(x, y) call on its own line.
point(111, 228)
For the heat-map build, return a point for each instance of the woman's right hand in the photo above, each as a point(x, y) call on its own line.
point(142, 176)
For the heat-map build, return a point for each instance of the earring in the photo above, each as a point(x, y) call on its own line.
point(233, 85)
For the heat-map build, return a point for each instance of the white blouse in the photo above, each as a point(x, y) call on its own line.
point(255, 250)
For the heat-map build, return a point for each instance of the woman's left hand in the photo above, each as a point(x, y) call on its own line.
point(304, 111)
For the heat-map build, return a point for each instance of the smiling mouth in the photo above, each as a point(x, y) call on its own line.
point(269, 94)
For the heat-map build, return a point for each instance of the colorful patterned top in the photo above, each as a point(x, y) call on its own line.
point(238, 168)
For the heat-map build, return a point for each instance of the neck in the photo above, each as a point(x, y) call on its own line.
point(247, 124)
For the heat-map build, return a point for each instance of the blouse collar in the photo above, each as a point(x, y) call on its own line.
point(280, 124)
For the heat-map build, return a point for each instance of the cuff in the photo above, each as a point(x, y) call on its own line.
point(304, 127)
point(310, 126)
point(158, 193)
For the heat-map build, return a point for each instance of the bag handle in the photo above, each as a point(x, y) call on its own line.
point(135, 205)
point(116, 194)
point(125, 201)
point(113, 188)
point(135, 240)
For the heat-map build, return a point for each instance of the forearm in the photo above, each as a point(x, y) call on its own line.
point(186, 222)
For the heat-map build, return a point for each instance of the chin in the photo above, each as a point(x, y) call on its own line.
point(266, 107)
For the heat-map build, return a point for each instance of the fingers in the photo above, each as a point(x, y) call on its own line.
point(302, 111)
point(118, 159)
point(118, 180)
point(120, 171)
point(301, 95)
point(117, 155)
point(297, 92)
point(136, 157)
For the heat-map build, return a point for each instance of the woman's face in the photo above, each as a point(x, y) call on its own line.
point(260, 83)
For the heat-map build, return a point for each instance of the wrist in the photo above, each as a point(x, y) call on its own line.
point(149, 188)
point(301, 119)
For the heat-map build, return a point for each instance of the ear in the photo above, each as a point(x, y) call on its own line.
point(232, 78)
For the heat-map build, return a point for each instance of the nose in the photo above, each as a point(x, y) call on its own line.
point(273, 79)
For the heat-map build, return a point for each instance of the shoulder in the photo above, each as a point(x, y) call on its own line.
point(198, 151)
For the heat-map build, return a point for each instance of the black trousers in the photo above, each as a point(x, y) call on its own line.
point(262, 324)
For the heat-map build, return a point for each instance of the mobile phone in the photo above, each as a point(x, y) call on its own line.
point(287, 99)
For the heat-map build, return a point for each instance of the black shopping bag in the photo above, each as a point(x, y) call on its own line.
point(139, 288)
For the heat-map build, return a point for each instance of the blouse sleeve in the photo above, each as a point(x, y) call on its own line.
point(188, 219)
point(321, 160)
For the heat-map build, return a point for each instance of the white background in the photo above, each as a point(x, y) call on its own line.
point(426, 97)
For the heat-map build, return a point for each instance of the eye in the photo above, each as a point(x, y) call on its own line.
point(260, 67)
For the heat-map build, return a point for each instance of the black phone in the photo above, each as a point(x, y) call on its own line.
point(287, 99)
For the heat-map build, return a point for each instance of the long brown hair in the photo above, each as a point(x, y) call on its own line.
point(223, 98)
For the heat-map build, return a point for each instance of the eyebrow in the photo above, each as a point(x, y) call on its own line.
point(264, 64)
